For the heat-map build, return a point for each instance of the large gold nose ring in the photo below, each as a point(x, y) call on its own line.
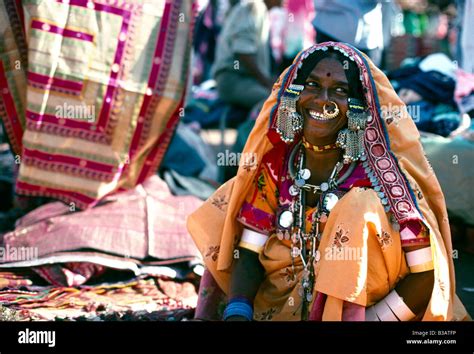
point(331, 115)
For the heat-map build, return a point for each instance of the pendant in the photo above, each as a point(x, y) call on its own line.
point(285, 220)
point(295, 252)
point(324, 186)
point(317, 256)
point(309, 297)
point(294, 238)
point(300, 291)
point(305, 174)
point(300, 182)
point(330, 201)
point(293, 190)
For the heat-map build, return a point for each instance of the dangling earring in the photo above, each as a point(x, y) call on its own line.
point(289, 122)
point(351, 139)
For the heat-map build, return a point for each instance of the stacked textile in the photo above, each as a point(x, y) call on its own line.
point(141, 230)
point(139, 298)
point(427, 87)
point(54, 264)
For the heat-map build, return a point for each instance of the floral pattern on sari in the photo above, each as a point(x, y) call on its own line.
point(220, 202)
point(385, 239)
point(213, 252)
point(260, 206)
point(340, 238)
point(288, 275)
point(266, 315)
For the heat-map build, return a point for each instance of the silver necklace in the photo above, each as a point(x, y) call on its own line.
point(294, 220)
point(304, 174)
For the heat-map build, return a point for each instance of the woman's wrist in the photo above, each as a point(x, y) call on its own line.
point(238, 308)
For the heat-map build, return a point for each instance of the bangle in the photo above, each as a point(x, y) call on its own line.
point(383, 311)
point(420, 260)
point(371, 315)
point(253, 240)
point(398, 307)
point(239, 306)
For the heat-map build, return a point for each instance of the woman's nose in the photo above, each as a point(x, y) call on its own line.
point(322, 97)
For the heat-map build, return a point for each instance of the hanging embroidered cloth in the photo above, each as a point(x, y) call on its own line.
point(91, 96)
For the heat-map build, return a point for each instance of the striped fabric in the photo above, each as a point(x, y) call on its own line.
point(94, 108)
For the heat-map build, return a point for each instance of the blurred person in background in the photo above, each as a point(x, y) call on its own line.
point(297, 32)
point(358, 23)
point(242, 65)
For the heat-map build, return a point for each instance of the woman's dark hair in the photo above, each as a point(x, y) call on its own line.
point(352, 72)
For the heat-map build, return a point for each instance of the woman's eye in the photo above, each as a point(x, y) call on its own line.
point(341, 90)
point(311, 84)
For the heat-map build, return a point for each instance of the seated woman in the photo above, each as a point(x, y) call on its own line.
point(335, 213)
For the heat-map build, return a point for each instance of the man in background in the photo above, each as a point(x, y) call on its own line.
point(243, 56)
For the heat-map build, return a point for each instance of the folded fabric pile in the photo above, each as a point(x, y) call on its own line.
point(464, 93)
point(46, 262)
point(139, 298)
point(143, 227)
point(427, 87)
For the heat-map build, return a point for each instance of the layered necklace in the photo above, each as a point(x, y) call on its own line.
point(292, 222)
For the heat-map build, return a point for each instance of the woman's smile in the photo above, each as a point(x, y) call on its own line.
point(318, 116)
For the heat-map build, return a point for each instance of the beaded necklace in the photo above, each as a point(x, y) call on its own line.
point(318, 148)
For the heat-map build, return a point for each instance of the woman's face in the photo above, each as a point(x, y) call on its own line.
point(327, 82)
